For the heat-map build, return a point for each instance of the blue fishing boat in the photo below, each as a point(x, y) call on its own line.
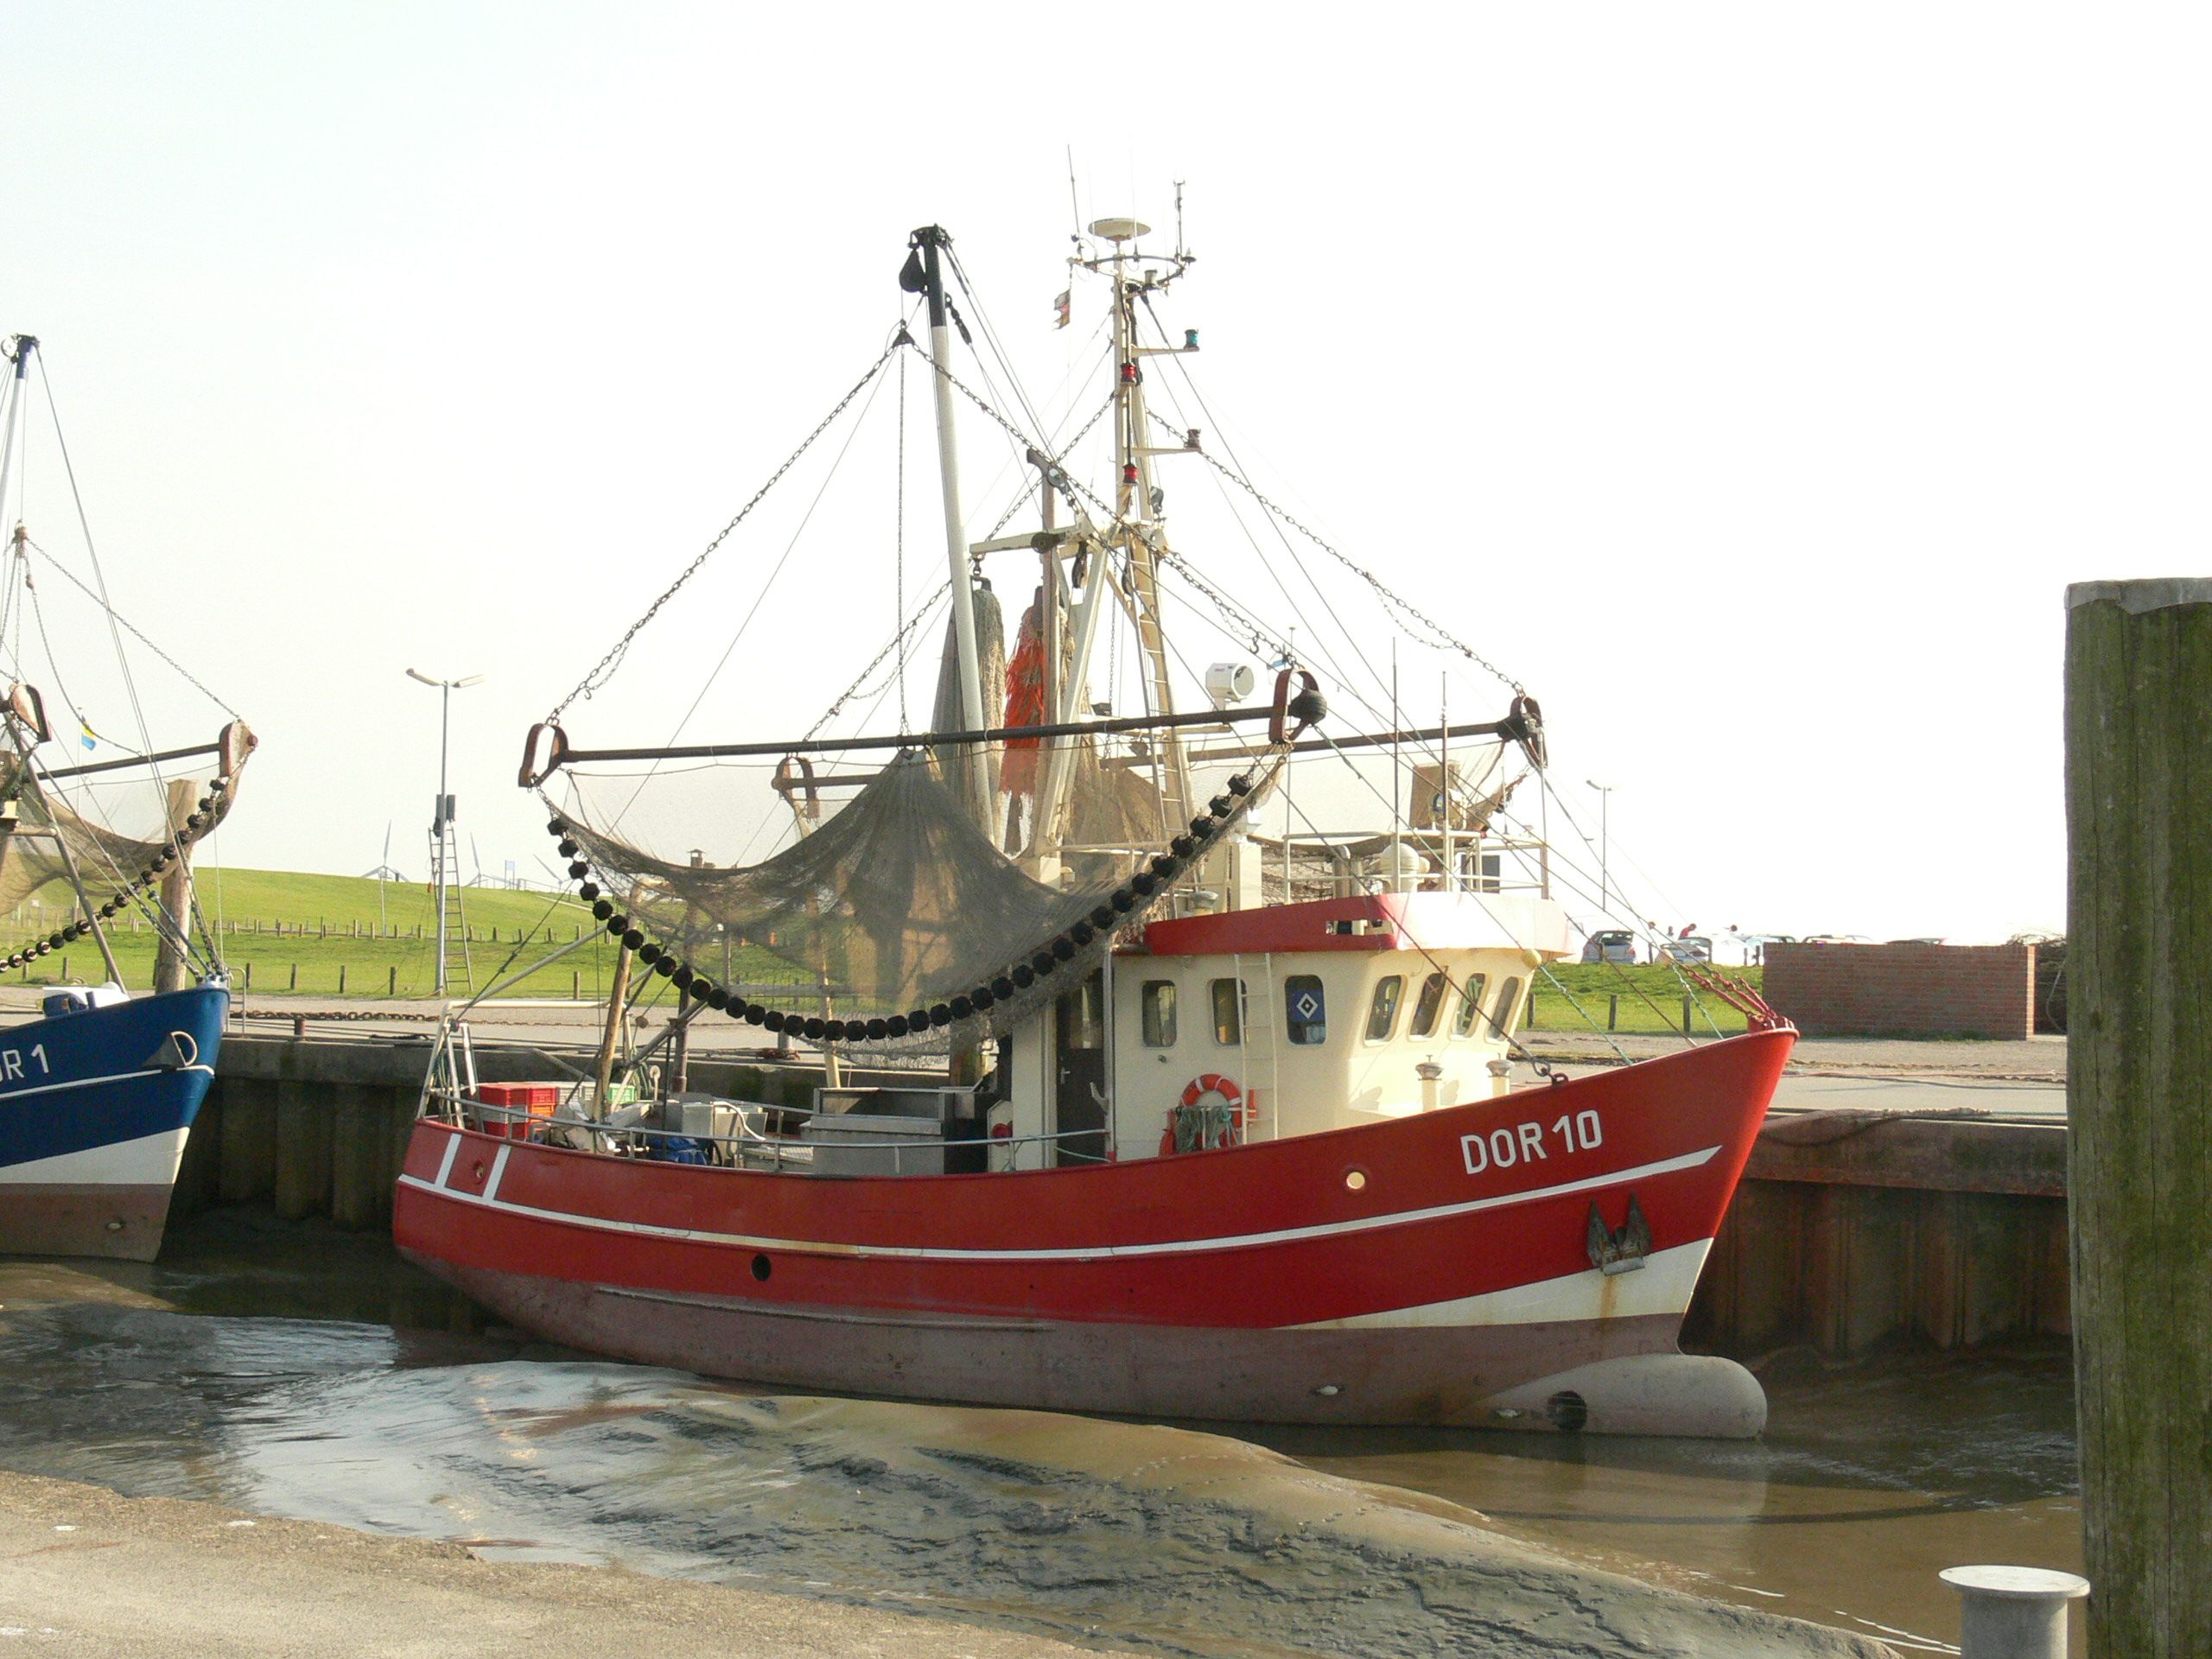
point(96, 1100)
point(98, 1092)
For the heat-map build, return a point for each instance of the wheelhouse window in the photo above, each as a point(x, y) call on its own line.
point(1159, 1013)
point(1304, 1011)
point(1471, 1004)
point(1501, 1019)
point(1428, 1006)
point(1228, 998)
point(1382, 1012)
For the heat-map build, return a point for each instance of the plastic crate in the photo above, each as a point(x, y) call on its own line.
point(512, 1109)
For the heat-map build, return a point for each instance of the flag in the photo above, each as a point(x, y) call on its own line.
point(1061, 305)
point(85, 735)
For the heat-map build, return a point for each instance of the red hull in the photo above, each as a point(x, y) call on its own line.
point(1254, 1283)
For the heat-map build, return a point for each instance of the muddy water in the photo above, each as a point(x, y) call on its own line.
point(306, 1372)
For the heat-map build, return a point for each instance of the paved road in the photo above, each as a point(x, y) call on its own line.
point(1946, 1095)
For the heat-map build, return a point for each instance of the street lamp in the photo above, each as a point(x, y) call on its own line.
point(1604, 884)
point(442, 814)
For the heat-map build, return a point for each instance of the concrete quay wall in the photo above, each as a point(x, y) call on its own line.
point(1852, 1231)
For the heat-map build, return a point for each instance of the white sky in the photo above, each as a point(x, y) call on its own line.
point(1747, 380)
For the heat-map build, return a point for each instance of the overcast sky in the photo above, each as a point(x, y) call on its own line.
point(1746, 381)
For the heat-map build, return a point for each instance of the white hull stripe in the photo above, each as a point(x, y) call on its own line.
point(1090, 1252)
point(93, 1082)
point(151, 1160)
point(1662, 1284)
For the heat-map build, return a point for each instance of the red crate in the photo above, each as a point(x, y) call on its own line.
point(512, 1109)
point(540, 1098)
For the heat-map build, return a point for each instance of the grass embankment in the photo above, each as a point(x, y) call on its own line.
point(323, 936)
point(299, 933)
point(1650, 999)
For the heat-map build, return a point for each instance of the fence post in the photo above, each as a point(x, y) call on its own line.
point(296, 977)
point(2139, 769)
point(248, 978)
point(391, 981)
point(1687, 1029)
point(1613, 1012)
point(575, 986)
point(341, 979)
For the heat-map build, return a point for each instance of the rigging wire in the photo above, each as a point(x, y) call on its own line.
point(605, 668)
point(70, 576)
point(762, 598)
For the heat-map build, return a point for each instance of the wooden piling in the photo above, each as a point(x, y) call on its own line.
point(2139, 772)
point(177, 889)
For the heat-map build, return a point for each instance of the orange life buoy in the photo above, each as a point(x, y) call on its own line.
point(1208, 1083)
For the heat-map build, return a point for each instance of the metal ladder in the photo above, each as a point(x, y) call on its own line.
point(1267, 1051)
point(445, 855)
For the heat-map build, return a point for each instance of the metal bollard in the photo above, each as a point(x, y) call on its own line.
point(2013, 1612)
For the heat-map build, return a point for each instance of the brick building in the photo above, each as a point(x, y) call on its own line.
point(1911, 991)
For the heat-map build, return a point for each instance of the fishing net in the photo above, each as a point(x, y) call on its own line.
point(120, 832)
point(894, 915)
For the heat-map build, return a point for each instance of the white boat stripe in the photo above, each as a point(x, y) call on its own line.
point(93, 1082)
point(445, 1164)
point(1172, 1247)
point(499, 1169)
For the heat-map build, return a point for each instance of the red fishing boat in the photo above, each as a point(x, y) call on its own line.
point(1125, 1099)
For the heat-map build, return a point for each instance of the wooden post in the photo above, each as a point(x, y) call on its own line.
point(177, 889)
point(296, 977)
point(391, 981)
point(603, 1073)
point(2139, 774)
point(1613, 1011)
point(1686, 1015)
point(341, 979)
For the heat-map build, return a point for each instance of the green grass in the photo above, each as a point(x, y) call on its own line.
point(297, 932)
point(1650, 999)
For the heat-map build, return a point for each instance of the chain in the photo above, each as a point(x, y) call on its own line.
point(1082, 432)
point(1069, 487)
point(1397, 601)
point(607, 664)
point(1263, 637)
point(898, 640)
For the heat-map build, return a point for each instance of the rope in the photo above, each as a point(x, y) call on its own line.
point(604, 669)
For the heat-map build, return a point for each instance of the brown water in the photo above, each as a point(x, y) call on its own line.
point(305, 1371)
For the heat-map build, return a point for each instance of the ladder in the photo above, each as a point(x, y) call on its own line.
point(1266, 1052)
point(446, 888)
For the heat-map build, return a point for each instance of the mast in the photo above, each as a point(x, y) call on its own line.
point(928, 242)
point(20, 354)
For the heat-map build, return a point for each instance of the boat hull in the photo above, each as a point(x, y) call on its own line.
point(1440, 1269)
point(95, 1108)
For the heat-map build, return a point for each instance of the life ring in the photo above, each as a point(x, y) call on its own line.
point(1208, 1083)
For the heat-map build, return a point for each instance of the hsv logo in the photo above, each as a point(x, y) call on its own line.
point(1524, 1143)
point(1307, 1006)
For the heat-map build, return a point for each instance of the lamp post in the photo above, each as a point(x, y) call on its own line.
point(443, 814)
point(1604, 882)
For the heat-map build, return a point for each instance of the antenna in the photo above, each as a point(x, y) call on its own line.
point(1180, 252)
point(1075, 207)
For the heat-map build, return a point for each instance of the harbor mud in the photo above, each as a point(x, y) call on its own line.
point(165, 1382)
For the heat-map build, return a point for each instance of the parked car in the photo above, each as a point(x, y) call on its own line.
point(1612, 944)
point(1691, 947)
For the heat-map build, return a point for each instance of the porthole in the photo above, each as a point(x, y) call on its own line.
point(1355, 1180)
point(762, 1268)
